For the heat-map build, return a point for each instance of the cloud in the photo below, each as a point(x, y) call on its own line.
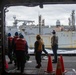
point(51, 13)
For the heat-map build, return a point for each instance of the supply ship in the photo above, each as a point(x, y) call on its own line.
point(66, 33)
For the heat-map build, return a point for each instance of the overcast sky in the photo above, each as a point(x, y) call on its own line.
point(51, 13)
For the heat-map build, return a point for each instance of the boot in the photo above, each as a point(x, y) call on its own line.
point(10, 62)
point(38, 66)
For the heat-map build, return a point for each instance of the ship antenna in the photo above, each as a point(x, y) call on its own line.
point(14, 17)
point(15, 21)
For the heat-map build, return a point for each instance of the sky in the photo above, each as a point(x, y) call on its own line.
point(51, 13)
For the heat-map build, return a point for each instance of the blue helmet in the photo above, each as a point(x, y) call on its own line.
point(21, 36)
point(9, 34)
point(16, 33)
point(53, 32)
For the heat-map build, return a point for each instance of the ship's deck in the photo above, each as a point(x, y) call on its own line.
point(69, 65)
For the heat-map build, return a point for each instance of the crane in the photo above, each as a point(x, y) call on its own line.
point(25, 22)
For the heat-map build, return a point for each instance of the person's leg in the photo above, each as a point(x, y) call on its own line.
point(38, 60)
point(56, 47)
point(55, 56)
point(55, 53)
point(10, 57)
point(18, 60)
point(22, 62)
point(22, 66)
point(36, 57)
point(14, 58)
point(18, 64)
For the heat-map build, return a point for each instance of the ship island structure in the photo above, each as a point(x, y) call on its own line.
point(66, 34)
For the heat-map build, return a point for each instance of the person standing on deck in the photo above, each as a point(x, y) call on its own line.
point(54, 45)
point(38, 50)
point(13, 46)
point(10, 48)
point(21, 48)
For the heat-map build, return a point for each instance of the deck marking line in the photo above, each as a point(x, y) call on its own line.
point(74, 70)
point(29, 61)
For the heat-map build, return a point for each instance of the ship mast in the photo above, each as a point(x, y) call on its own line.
point(73, 19)
point(40, 24)
point(15, 22)
point(69, 22)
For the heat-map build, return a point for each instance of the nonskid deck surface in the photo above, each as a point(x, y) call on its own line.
point(69, 65)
